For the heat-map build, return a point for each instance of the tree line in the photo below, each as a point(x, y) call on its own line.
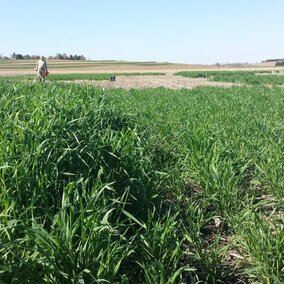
point(59, 56)
point(279, 63)
point(64, 56)
point(273, 60)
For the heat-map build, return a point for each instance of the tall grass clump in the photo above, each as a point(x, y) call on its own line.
point(57, 141)
point(78, 184)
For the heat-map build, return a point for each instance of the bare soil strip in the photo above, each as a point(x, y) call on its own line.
point(167, 81)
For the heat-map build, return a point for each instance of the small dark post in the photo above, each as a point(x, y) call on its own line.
point(112, 77)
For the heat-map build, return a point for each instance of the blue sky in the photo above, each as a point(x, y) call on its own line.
point(185, 31)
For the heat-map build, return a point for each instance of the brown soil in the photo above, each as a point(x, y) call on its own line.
point(167, 81)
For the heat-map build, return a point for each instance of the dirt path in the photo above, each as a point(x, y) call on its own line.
point(168, 81)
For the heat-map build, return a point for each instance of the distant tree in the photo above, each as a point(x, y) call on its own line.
point(82, 57)
point(65, 56)
point(13, 55)
point(34, 57)
point(27, 56)
point(19, 56)
point(58, 56)
point(71, 57)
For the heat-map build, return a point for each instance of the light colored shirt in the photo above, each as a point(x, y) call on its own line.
point(41, 65)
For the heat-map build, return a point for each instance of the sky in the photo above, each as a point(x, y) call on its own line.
point(177, 31)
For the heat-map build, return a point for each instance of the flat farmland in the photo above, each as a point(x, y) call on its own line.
point(128, 74)
point(71, 66)
point(170, 174)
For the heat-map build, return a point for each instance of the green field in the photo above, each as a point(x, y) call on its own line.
point(141, 186)
point(79, 76)
point(257, 77)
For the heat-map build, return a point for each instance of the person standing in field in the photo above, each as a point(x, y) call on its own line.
point(41, 68)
